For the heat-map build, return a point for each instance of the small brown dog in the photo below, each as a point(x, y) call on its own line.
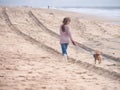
point(97, 56)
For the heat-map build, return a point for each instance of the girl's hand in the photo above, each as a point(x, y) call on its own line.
point(74, 43)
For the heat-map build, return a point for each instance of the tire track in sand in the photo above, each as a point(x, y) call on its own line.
point(24, 36)
point(86, 65)
point(93, 68)
point(116, 59)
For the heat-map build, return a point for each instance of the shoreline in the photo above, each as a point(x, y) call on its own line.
point(113, 20)
point(105, 18)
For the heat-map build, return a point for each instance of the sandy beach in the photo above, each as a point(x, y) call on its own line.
point(30, 53)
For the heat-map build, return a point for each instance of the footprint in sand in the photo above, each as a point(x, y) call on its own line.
point(90, 75)
point(98, 84)
point(81, 73)
point(94, 78)
point(57, 68)
point(1, 64)
point(30, 64)
point(7, 68)
point(105, 88)
point(43, 87)
point(1, 76)
point(21, 76)
point(30, 72)
point(45, 57)
point(83, 77)
point(66, 88)
point(112, 65)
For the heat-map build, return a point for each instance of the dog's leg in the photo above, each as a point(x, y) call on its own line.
point(95, 61)
point(100, 60)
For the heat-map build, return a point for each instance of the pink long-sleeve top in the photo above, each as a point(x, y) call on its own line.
point(66, 36)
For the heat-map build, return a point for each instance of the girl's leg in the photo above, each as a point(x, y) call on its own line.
point(66, 46)
point(63, 47)
point(64, 50)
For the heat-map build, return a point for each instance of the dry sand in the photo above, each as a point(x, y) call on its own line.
point(30, 56)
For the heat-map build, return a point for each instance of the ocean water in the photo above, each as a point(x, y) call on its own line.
point(109, 12)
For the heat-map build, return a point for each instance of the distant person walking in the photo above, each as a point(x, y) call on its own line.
point(48, 7)
point(65, 36)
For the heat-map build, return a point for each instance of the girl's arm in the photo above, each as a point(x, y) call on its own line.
point(69, 34)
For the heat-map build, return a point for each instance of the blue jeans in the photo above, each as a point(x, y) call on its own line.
point(64, 48)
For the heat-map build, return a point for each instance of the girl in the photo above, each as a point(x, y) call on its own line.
point(65, 36)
